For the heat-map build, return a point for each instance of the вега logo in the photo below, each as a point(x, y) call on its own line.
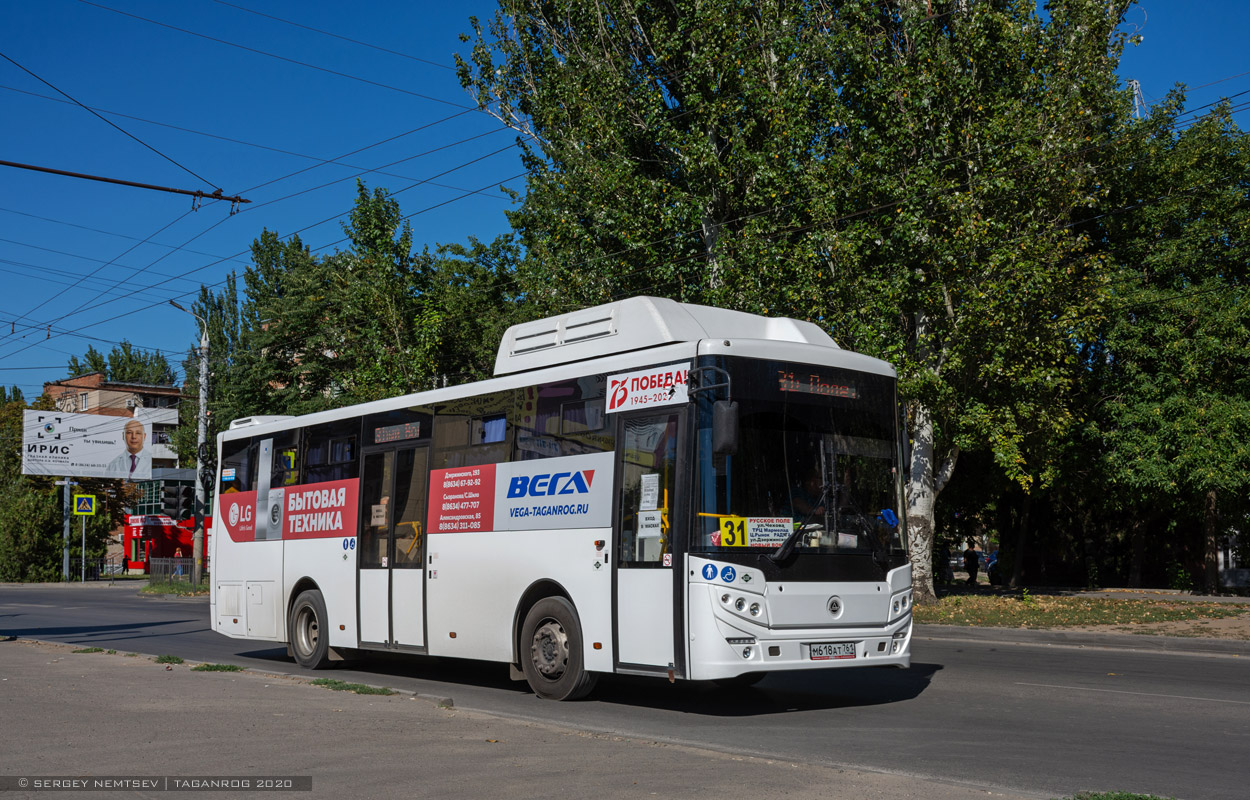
point(546, 484)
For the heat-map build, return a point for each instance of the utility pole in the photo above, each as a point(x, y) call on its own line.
point(67, 483)
point(1139, 102)
point(201, 494)
point(66, 506)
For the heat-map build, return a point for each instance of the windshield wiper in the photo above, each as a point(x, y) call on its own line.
point(787, 547)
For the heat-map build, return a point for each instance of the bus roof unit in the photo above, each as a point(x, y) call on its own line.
point(248, 422)
point(637, 324)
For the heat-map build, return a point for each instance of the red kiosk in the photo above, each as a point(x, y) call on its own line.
point(149, 536)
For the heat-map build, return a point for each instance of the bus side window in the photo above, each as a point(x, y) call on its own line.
point(480, 430)
point(286, 462)
point(238, 466)
point(330, 452)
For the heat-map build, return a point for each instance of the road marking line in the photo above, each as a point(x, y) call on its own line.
point(1143, 694)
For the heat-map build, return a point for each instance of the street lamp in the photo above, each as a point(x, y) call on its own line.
point(201, 494)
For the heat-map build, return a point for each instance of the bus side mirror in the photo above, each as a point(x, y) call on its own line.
point(725, 427)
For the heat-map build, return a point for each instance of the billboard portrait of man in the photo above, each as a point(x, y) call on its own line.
point(133, 460)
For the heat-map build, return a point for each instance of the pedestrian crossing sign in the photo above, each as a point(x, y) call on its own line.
point(84, 505)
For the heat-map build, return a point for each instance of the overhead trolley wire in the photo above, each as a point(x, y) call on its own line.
point(336, 35)
point(148, 307)
point(321, 161)
point(267, 54)
point(92, 230)
point(168, 225)
point(113, 125)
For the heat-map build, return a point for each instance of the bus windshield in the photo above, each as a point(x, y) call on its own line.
point(817, 465)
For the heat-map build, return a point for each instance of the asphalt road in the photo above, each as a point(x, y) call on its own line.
point(1032, 715)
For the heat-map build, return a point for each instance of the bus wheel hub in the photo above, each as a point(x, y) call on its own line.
point(550, 649)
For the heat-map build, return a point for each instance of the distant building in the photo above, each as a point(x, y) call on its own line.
point(92, 394)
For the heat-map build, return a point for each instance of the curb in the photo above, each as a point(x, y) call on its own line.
point(1118, 641)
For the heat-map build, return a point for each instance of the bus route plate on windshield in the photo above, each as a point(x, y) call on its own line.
point(824, 651)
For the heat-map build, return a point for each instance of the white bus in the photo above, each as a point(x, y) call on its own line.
point(645, 487)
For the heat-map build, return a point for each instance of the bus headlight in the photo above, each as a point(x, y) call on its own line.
point(755, 609)
point(900, 604)
point(740, 604)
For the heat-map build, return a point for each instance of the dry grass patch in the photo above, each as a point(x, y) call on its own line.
point(1049, 611)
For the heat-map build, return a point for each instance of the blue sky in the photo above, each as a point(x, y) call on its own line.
point(84, 259)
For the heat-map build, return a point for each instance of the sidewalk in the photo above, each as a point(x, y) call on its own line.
point(90, 715)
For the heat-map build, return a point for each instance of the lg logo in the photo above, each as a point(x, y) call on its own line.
point(236, 513)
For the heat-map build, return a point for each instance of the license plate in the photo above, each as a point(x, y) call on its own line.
point(824, 651)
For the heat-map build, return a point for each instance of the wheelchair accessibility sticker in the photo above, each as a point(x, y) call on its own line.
point(728, 574)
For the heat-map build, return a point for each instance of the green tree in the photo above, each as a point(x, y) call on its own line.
point(305, 333)
point(375, 292)
point(1172, 371)
point(907, 174)
point(31, 509)
point(470, 298)
point(124, 364)
point(221, 312)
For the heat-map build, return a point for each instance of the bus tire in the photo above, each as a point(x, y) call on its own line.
point(309, 633)
point(551, 651)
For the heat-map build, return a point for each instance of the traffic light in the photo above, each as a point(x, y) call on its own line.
point(178, 502)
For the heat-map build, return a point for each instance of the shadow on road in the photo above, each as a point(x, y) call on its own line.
point(122, 631)
point(779, 693)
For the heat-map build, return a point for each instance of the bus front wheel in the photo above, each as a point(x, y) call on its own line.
point(551, 651)
point(309, 634)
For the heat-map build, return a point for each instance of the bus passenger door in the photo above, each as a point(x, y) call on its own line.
point(646, 512)
point(391, 548)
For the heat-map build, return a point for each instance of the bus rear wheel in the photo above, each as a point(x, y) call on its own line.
point(308, 632)
point(551, 651)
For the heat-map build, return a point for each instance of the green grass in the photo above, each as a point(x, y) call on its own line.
point(168, 659)
point(217, 668)
point(176, 588)
point(91, 650)
point(1046, 611)
point(358, 688)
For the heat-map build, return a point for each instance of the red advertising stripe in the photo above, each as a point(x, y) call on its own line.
point(309, 511)
point(462, 499)
point(321, 510)
point(238, 515)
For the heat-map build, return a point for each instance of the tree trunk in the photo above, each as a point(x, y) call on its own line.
point(1137, 537)
point(1210, 545)
point(924, 483)
point(1022, 537)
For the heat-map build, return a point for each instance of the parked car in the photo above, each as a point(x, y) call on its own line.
point(992, 571)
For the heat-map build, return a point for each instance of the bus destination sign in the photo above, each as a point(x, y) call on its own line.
point(397, 433)
point(812, 383)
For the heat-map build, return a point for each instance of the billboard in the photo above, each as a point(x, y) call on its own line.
point(86, 446)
